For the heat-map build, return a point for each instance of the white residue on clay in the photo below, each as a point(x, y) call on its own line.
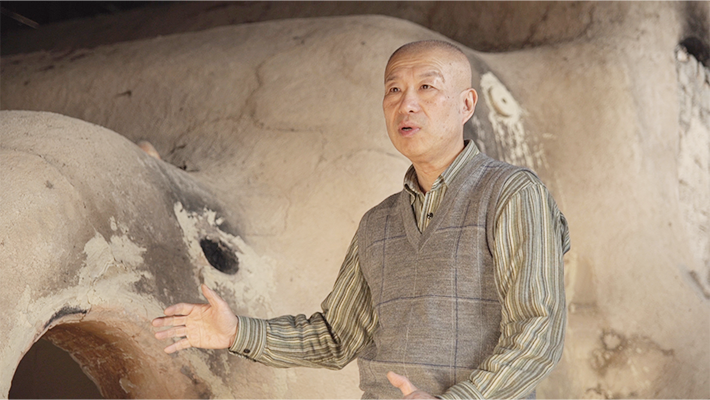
point(505, 116)
point(101, 255)
point(250, 289)
point(107, 277)
point(694, 163)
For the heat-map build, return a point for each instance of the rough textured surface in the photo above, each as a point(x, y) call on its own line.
point(97, 238)
point(694, 162)
point(498, 26)
point(282, 122)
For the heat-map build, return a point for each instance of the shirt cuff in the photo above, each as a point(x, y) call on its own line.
point(251, 338)
point(462, 390)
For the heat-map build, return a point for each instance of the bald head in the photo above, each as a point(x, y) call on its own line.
point(460, 67)
point(428, 99)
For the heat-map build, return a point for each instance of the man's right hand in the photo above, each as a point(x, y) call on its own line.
point(208, 326)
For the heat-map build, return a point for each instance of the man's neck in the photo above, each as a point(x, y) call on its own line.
point(428, 172)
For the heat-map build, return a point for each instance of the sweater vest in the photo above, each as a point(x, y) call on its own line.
point(434, 292)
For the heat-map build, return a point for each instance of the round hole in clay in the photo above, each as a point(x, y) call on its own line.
point(48, 372)
point(220, 256)
point(122, 358)
point(697, 48)
point(107, 355)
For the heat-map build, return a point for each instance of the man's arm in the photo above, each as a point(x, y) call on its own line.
point(328, 339)
point(530, 239)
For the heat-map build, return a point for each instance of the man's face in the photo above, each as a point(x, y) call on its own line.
point(425, 105)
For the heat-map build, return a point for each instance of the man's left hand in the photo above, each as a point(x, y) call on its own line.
point(409, 391)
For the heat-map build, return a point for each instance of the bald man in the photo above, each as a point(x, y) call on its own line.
point(451, 288)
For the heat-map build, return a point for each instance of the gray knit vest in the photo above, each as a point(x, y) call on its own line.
point(434, 292)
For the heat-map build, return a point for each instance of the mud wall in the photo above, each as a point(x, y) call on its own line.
point(498, 26)
point(281, 121)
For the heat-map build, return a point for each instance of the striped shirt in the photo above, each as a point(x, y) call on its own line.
point(531, 237)
point(425, 205)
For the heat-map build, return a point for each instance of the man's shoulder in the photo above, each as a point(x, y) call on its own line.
point(523, 182)
point(522, 178)
point(516, 175)
point(385, 205)
point(491, 164)
point(484, 168)
point(507, 179)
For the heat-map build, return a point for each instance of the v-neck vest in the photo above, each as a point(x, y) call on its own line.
point(434, 291)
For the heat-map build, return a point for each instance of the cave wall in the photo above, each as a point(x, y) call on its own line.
point(498, 26)
point(281, 122)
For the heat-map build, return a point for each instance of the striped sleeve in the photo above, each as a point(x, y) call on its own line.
point(531, 237)
point(328, 339)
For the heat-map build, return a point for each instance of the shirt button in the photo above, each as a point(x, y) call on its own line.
point(430, 215)
point(246, 351)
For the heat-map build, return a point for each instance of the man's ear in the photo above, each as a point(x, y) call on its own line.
point(469, 98)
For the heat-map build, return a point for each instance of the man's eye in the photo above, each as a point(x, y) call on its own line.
point(425, 86)
point(394, 89)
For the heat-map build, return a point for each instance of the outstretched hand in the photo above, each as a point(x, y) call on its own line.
point(409, 391)
point(208, 326)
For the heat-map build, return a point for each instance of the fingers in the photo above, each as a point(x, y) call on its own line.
point(180, 309)
point(200, 316)
point(179, 331)
point(169, 321)
point(401, 383)
point(179, 345)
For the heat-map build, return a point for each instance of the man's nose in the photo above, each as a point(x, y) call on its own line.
point(410, 102)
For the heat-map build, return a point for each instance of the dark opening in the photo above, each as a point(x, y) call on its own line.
point(48, 372)
point(697, 48)
point(118, 355)
point(220, 256)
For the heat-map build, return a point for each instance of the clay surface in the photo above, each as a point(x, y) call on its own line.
point(279, 132)
point(499, 26)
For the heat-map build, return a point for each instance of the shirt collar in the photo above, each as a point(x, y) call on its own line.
point(411, 184)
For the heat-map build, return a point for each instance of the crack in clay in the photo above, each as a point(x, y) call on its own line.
point(57, 169)
point(534, 28)
point(695, 277)
point(250, 102)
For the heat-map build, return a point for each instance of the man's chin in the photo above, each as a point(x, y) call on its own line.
point(413, 151)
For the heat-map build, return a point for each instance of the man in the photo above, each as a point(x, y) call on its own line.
point(454, 285)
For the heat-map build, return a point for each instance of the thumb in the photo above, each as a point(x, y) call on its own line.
point(401, 383)
point(212, 297)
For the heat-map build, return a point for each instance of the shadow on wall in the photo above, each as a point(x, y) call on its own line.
point(498, 26)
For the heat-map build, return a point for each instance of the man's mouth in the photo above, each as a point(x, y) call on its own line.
point(408, 129)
